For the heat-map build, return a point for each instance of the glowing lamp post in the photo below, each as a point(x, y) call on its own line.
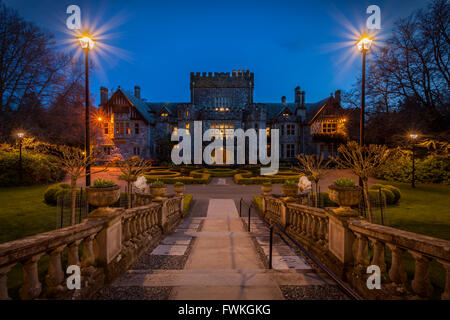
point(20, 135)
point(87, 44)
point(363, 46)
point(413, 137)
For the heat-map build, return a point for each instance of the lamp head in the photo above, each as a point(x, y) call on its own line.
point(413, 136)
point(20, 135)
point(364, 44)
point(86, 43)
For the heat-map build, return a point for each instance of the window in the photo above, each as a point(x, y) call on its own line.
point(107, 150)
point(282, 151)
point(187, 128)
point(187, 113)
point(136, 128)
point(290, 150)
point(175, 130)
point(120, 128)
point(290, 128)
point(268, 131)
point(164, 114)
point(136, 151)
point(223, 130)
point(128, 128)
point(282, 129)
point(329, 127)
point(105, 128)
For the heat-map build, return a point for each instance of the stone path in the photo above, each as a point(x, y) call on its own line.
point(211, 256)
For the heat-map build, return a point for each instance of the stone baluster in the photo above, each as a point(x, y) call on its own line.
point(88, 255)
point(31, 287)
point(73, 258)
point(421, 283)
point(445, 295)
point(55, 274)
point(362, 252)
point(304, 224)
point(4, 281)
point(397, 272)
point(145, 223)
point(314, 226)
point(126, 229)
point(378, 254)
point(321, 230)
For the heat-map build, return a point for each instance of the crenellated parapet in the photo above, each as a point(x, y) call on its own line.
point(235, 79)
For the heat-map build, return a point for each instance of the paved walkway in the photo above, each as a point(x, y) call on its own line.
point(213, 257)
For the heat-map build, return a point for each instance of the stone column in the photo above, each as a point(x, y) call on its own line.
point(108, 242)
point(446, 293)
point(340, 238)
point(4, 281)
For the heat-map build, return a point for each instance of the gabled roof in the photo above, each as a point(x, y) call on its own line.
point(140, 105)
point(313, 109)
point(275, 109)
point(158, 106)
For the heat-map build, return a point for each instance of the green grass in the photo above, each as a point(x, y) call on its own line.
point(23, 213)
point(187, 202)
point(424, 210)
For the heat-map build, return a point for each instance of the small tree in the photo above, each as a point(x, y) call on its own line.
point(310, 165)
point(75, 162)
point(131, 169)
point(362, 160)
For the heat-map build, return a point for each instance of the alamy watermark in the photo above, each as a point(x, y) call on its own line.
point(213, 152)
point(374, 21)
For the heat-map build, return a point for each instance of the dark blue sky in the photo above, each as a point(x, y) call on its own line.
point(285, 43)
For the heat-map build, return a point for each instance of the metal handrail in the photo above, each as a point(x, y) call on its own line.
point(338, 281)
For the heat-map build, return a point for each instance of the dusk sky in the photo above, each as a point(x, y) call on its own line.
point(156, 44)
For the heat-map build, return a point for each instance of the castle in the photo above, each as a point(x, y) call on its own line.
point(224, 102)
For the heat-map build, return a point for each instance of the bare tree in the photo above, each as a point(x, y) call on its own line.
point(311, 166)
point(74, 161)
point(362, 160)
point(131, 169)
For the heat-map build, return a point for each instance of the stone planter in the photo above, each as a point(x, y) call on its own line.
point(289, 191)
point(266, 189)
point(104, 196)
point(345, 197)
point(158, 192)
point(178, 189)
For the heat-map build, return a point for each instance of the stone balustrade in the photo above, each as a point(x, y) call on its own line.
point(348, 245)
point(104, 245)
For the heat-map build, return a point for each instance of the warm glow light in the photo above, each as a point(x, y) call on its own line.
point(20, 135)
point(413, 136)
point(364, 44)
point(99, 118)
point(86, 43)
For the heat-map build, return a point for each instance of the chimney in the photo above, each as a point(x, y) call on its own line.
point(103, 95)
point(303, 99)
point(337, 96)
point(283, 99)
point(137, 92)
point(297, 96)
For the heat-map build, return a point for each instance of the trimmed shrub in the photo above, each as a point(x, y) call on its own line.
point(36, 169)
point(390, 196)
point(386, 188)
point(374, 195)
point(52, 192)
point(396, 191)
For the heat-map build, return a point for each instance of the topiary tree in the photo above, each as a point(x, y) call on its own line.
point(310, 165)
point(362, 160)
point(131, 169)
point(74, 161)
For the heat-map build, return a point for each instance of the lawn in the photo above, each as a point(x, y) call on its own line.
point(23, 212)
point(425, 210)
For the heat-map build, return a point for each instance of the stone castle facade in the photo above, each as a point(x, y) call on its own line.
point(223, 102)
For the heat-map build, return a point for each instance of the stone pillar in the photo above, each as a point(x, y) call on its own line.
point(340, 238)
point(108, 242)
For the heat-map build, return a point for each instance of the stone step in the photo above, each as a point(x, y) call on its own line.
point(218, 278)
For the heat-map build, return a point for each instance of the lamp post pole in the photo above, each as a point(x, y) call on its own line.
point(363, 100)
point(20, 161)
point(87, 141)
point(413, 180)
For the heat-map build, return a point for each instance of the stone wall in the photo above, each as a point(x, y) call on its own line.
point(347, 245)
point(109, 240)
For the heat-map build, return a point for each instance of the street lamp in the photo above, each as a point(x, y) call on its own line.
point(20, 135)
point(363, 46)
point(87, 44)
point(413, 137)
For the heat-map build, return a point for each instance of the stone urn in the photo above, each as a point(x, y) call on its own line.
point(158, 192)
point(266, 189)
point(178, 189)
point(103, 196)
point(345, 197)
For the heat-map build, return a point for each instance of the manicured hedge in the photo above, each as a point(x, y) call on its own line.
point(36, 169)
point(193, 178)
point(52, 192)
point(281, 177)
point(391, 193)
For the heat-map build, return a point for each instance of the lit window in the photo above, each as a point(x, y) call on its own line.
point(175, 130)
point(164, 114)
point(105, 128)
point(187, 128)
point(128, 128)
point(268, 131)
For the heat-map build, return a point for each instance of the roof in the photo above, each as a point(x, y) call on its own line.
point(156, 107)
point(274, 109)
point(140, 105)
point(312, 109)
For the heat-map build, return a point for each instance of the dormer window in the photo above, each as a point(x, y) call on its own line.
point(164, 114)
point(285, 114)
